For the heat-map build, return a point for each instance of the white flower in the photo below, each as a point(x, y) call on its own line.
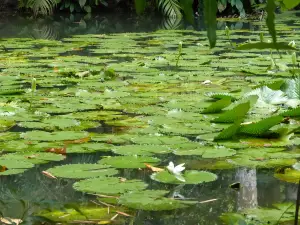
point(292, 44)
point(176, 170)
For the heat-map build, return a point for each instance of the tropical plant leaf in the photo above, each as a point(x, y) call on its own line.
point(169, 8)
point(233, 115)
point(187, 6)
point(265, 45)
point(262, 126)
point(218, 105)
point(210, 16)
point(290, 4)
point(270, 8)
point(44, 7)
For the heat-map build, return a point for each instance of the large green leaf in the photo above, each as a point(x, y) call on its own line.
point(218, 105)
point(210, 16)
point(187, 6)
point(270, 8)
point(229, 132)
point(233, 115)
point(262, 126)
point(290, 4)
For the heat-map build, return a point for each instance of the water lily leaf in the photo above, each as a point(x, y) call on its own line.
point(289, 175)
point(14, 166)
point(79, 171)
point(265, 45)
point(207, 152)
point(218, 105)
point(6, 124)
point(156, 140)
point(292, 88)
point(262, 126)
point(33, 157)
point(190, 176)
point(291, 113)
point(233, 115)
point(152, 200)
point(54, 136)
point(141, 149)
point(82, 213)
point(128, 161)
point(89, 147)
point(229, 132)
point(110, 185)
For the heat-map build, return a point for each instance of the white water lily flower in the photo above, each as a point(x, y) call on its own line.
point(176, 170)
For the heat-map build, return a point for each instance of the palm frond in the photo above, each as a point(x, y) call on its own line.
point(170, 8)
point(44, 7)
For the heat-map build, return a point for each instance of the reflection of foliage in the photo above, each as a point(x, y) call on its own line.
point(171, 23)
point(43, 7)
point(44, 32)
point(169, 8)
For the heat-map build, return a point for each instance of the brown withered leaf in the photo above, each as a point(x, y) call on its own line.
point(47, 174)
point(62, 151)
point(3, 168)
point(152, 168)
point(78, 141)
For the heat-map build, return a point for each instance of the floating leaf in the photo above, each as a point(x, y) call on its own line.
point(128, 161)
point(54, 136)
point(265, 45)
point(141, 149)
point(152, 200)
point(110, 185)
point(190, 176)
point(79, 171)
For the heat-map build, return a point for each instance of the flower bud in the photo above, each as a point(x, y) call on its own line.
point(294, 58)
point(33, 85)
point(292, 44)
point(227, 31)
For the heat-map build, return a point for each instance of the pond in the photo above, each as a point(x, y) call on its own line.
point(97, 114)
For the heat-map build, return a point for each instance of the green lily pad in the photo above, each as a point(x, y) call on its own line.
point(53, 136)
point(110, 185)
point(141, 149)
point(79, 171)
point(190, 176)
point(128, 161)
point(152, 200)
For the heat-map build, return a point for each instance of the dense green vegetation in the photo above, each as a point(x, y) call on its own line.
point(108, 127)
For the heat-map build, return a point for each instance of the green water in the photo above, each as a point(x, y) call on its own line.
point(121, 91)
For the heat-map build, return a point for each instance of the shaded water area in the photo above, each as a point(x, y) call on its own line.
point(119, 99)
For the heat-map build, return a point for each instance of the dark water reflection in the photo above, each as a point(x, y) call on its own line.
point(66, 25)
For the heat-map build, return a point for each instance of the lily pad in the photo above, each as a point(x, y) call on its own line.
point(110, 185)
point(141, 149)
point(190, 176)
point(128, 161)
point(152, 200)
point(54, 136)
point(79, 171)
